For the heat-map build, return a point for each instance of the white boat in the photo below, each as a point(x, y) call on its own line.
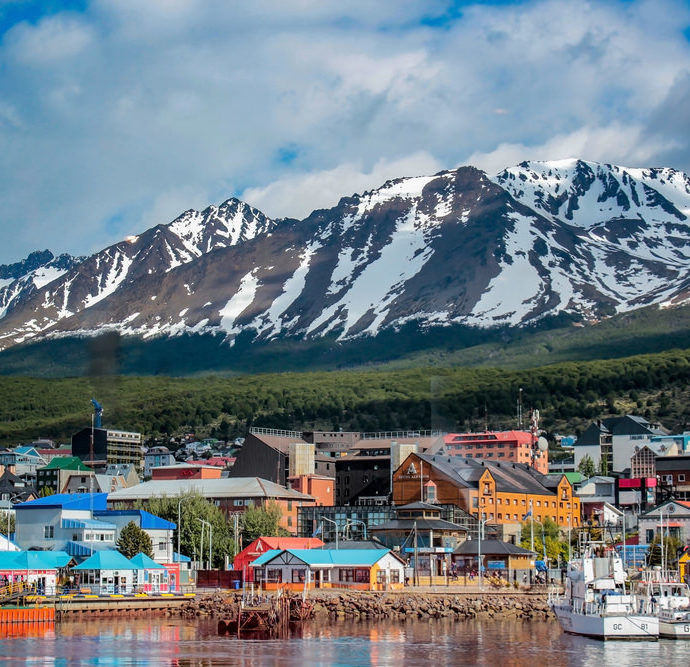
point(669, 598)
point(597, 603)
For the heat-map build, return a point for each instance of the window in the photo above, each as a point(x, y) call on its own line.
point(48, 532)
point(395, 576)
point(274, 575)
point(298, 576)
point(289, 521)
point(347, 574)
point(362, 576)
point(681, 477)
point(487, 488)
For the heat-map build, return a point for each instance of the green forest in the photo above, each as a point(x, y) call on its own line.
point(569, 396)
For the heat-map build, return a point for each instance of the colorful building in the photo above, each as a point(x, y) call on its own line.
point(503, 446)
point(232, 495)
point(353, 569)
point(261, 545)
point(497, 492)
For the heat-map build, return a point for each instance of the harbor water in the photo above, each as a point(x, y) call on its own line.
point(168, 641)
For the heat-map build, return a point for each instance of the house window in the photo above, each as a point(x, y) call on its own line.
point(298, 576)
point(395, 576)
point(487, 488)
point(681, 477)
point(347, 574)
point(274, 575)
point(48, 532)
point(362, 576)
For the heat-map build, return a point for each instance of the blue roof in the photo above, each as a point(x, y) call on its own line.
point(87, 523)
point(73, 501)
point(27, 450)
point(33, 560)
point(86, 548)
point(106, 560)
point(325, 557)
point(143, 562)
point(146, 519)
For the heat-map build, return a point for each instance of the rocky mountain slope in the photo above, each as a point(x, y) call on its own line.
point(458, 247)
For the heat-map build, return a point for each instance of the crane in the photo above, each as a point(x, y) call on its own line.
point(98, 411)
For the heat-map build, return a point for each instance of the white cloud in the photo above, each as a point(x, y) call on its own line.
point(128, 113)
point(53, 39)
point(616, 144)
point(297, 195)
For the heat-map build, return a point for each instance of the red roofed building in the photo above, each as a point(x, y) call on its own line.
point(263, 544)
point(501, 446)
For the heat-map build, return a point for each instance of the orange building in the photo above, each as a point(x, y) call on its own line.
point(498, 492)
point(503, 446)
point(322, 489)
point(186, 471)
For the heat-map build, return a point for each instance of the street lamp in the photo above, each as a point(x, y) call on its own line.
point(351, 521)
point(324, 518)
point(210, 542)
point(482, 522)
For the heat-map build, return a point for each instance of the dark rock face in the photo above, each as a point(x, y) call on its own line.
point(458, 247)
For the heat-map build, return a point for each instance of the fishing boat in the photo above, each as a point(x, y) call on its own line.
point(668, 598)
point(597, 602)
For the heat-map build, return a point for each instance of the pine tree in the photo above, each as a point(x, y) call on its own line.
point(134, 540)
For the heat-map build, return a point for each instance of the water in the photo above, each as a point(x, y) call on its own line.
point(434, 643)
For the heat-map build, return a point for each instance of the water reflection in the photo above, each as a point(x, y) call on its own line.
point(436, 643)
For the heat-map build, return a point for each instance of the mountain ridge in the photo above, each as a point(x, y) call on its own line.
point(537, 240)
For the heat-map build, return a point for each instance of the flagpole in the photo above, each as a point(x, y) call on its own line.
point(531, 528)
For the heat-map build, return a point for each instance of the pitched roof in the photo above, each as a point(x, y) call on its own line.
point(66, 463)
point(106, 560)
point(230, 487)
point(292, 542)
point(327, 557)
point(509, 477)
point(144, 562)
point(33, 560)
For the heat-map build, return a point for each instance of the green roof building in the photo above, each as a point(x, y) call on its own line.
point(55, 475)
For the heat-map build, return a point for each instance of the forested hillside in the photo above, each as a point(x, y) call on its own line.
point(569, 395)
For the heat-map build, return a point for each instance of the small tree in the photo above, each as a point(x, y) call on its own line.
point(603, 466)
point(262, 522)
point(134, 540)
point(586, 467)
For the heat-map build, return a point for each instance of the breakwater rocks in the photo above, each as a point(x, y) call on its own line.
point(403, 604)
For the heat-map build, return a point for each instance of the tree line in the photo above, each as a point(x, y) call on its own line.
point(423, 398)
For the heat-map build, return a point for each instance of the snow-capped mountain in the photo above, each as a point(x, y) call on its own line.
point(18, 281)
point(537, 239)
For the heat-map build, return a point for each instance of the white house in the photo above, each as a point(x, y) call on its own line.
point(671, 517)
point(80, 524)
point(615, 440)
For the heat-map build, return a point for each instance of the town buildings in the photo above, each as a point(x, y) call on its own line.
point(499, 493)
point(614, 440)
point(231, 495)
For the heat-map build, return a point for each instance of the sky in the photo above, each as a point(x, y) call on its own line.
point(117, 115)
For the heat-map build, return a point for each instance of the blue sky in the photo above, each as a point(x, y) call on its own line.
point(117, 115)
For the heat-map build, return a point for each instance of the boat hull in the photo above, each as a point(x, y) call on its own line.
point(676, 629)
point(611, 626)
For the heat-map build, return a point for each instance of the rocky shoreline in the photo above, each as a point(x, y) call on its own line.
point(402, 605)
